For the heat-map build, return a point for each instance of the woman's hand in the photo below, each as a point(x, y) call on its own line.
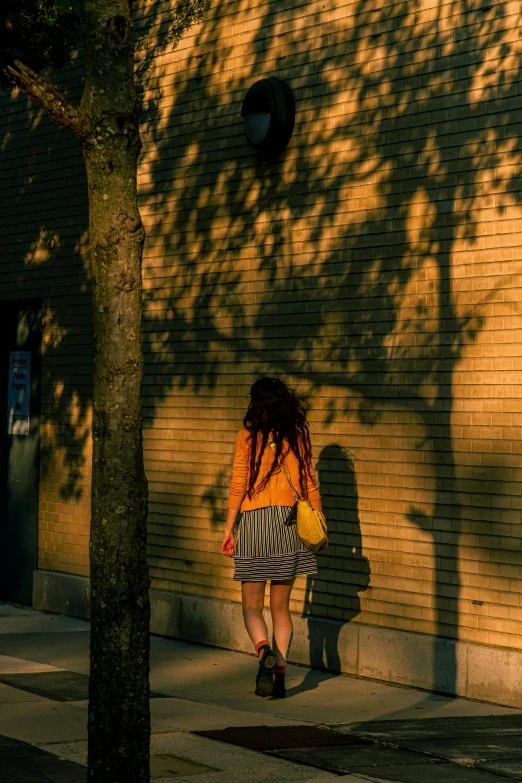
point(229, 542)
point(227, 547)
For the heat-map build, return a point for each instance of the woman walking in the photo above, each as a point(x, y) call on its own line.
point(275, 432)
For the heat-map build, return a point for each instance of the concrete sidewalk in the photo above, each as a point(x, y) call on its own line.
point(365, 730)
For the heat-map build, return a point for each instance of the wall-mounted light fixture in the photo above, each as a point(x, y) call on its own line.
point(268, 112)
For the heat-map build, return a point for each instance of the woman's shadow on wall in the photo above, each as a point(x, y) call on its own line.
point(342, 564)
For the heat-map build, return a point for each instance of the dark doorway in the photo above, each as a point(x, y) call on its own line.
point(20, 325)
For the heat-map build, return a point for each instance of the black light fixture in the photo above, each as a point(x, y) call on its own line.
point(268, 112)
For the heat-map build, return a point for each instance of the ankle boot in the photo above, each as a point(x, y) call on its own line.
point(279, 689)
point(265, 673)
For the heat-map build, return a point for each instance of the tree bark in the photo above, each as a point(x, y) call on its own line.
point(119, 715)
point(106, 124)
point(50, 99)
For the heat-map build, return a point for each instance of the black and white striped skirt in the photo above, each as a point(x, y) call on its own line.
point(266, 548)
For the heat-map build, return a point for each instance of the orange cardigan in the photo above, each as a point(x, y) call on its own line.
point(277, 492)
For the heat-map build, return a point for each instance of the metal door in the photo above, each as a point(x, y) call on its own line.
point(20, 325)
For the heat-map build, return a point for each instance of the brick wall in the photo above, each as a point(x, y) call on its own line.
point(374, 266)
point(43, 236)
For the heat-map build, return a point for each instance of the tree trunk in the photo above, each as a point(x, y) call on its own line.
point(119, 715)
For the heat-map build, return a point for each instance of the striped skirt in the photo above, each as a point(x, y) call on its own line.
point(266, 548)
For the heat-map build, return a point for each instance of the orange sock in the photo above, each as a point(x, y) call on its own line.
point(279, 669)
point(259, 645)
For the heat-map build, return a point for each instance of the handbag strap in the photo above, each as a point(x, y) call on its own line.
point(284, 470)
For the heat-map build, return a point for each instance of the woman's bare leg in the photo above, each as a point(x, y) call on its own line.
point(282, 620)
point(253, 595)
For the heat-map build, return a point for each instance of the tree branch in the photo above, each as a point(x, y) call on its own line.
point(51, 100)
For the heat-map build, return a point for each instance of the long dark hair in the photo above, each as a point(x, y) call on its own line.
point(277, 410)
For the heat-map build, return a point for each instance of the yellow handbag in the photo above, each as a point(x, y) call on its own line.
point(311, 523)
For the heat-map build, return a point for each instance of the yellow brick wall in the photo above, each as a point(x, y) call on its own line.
point(374, 266)
point(43, 236)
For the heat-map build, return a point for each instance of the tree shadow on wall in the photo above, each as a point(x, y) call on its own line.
point(44, 239)
point(342, 566)
point(348, 264)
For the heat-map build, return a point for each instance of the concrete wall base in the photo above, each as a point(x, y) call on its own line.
point(457, 668)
